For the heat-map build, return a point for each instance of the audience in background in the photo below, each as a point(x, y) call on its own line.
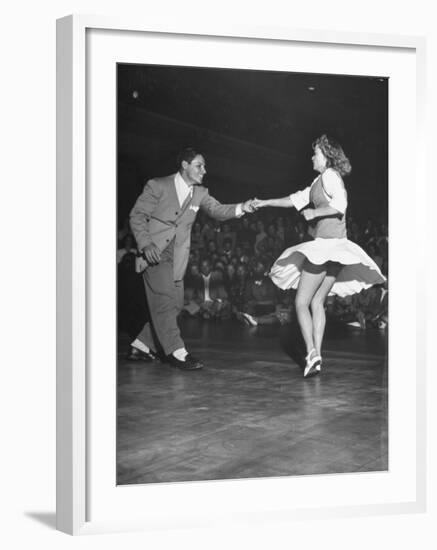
point(197, 239)
point(205, 294)
point(228, 266)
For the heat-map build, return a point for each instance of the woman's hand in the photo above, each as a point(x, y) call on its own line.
point(309, 214)
point(258, 203)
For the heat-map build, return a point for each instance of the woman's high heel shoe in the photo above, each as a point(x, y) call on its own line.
point(313, 364)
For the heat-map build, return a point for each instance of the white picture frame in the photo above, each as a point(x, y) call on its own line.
point(74, 470)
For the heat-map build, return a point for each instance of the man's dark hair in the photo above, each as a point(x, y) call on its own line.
point(187, 154)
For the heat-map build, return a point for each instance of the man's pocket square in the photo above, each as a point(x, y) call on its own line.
point(195, 208)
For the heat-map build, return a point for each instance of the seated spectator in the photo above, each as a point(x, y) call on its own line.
point(245, 259)
point(219, 268)
point(369, 308)
point(382, 239)
point(227, 248)
point(237, 287)
point(271, 231)
point(374, 253)
point(289, 232)
point(295, 232)
point(261, 236)
point(210, 294)
point(229, 277)
point(271, 248)
point(369, 230)
point(280, 229)
point(262, 251)
point(207, 233)
point(285, 308)
point(235, 261)
point(128, 247)
point(191, 283)
point(191, 279)
point(330, 306)
point(345, 310)
point(213, 258)
point(194, 257)
point(211, 249)
point(226, 234)
point(260, 300)
point(245, 234)
point(197, 240)
point(238, 251)
point(353, 231)
point(216, 225)
point(372, 307)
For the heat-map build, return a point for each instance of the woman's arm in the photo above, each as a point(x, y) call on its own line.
point(297, 200)
point(284, 202)
point(311, 213)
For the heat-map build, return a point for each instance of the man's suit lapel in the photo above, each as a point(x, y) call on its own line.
point(186, 202)
point(173, 189)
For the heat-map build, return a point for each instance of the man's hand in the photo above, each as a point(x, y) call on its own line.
point(309, 214)
point(248, 207)
point(152, 254)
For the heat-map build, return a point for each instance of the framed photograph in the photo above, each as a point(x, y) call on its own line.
point(234, 338)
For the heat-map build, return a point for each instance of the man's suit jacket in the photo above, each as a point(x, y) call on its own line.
point(158, 218)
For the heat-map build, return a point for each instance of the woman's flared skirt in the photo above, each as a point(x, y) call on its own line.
point(358, 270)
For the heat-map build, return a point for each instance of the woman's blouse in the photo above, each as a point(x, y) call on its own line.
point(326, 190)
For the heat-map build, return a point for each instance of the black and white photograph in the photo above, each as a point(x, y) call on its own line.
point(252, 274)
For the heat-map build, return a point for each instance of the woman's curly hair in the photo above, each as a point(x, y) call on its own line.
point(334, 154)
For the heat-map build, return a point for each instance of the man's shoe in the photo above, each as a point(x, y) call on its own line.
point(250, 320)
point(136, 354)
point(190, 363)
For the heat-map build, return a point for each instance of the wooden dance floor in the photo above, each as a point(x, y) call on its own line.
point(249, 413)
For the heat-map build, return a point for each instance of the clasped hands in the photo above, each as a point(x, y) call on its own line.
point(251, 205)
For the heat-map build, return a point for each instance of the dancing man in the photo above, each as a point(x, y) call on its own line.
point(161, 222)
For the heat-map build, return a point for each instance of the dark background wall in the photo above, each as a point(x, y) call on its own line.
point(255, 128)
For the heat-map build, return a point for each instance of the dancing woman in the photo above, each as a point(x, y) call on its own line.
point(330, 263)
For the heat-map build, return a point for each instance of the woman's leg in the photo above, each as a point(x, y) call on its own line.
point(318, 304)
point(310, 280)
